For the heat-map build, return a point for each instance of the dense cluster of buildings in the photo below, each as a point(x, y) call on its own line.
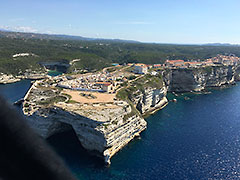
point(186, 64)
point(218, 60)
point(225, 60)
point(109, 82)
point(97, 82)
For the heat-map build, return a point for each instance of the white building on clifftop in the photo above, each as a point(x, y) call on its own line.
point(141, 69)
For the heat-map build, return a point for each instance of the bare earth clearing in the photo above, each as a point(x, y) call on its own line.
point(99, 97)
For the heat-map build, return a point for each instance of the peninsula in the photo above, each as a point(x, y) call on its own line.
point(106, 109)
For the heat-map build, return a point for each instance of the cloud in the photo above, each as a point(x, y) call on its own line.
point(20, 28)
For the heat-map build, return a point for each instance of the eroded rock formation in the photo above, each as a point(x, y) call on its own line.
point(198, 79)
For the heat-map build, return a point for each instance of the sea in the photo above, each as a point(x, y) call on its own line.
point(196, 138)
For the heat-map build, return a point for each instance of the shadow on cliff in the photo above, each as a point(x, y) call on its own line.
point(56, 120)
point(67, 145)
point(23, 154)
point(52, 123)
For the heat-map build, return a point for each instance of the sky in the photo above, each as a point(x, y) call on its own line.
point(159, 21)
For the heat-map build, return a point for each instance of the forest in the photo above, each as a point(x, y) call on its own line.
point(94, 54)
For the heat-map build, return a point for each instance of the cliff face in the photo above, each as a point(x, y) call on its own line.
point(197, 79)
point(146, 94)
point(103, 129)
point(150, 99)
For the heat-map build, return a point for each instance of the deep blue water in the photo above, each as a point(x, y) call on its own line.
point(15, 91)
point(196, 139)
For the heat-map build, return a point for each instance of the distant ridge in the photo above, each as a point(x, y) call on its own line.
point(220, 44)
point(26, 35)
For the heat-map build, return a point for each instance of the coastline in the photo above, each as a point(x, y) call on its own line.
point(83, 162)
point(9, 79)
point(156, 109)
point(108, 126)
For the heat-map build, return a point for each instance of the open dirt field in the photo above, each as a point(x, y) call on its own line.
point(99, 97)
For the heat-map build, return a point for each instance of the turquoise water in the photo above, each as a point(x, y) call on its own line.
point(54, 73)
point(196, 139)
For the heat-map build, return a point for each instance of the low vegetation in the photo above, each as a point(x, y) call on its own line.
point(92, 55)
point(139, 85)
point(126, 92)
point(53, 100)
point(207, 69)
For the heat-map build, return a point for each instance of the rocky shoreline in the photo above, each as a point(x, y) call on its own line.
point(105, 128)
point(200, 79)
point(9, 78)
point(102, 128)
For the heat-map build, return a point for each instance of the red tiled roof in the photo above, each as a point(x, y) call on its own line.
point(174, 61)
point(194, 62)
point(140, 64)
point(178, 65)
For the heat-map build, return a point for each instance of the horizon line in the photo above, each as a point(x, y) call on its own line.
point(102, 38)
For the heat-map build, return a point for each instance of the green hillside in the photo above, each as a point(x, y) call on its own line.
point(95, 54)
